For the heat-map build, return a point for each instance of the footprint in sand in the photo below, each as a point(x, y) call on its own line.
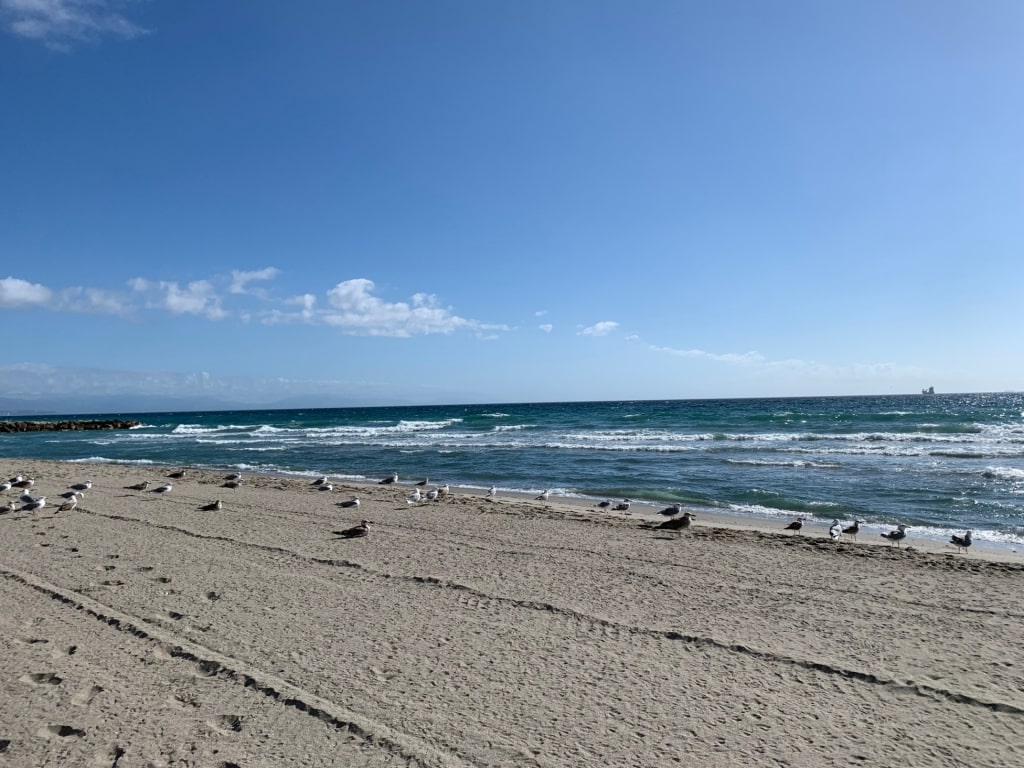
point(4, 744)
point(163, 579)
point(165, 652)
point(144, 568)
point(31, 640)
point(107, 758)
point(85, 696)
point(175, 615)
point(59, 731)
point(64, 650)
point(212, 596)
point(40, 678)
point(226, 723)
point(105, 567)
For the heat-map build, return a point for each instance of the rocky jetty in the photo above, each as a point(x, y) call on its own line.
point(65, 426)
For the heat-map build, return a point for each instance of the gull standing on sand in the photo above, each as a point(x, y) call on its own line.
point(431, 495)
point(233, 476)
point(138, 486)
point(961, 542)
point(389, 480)
point(322, 480)
point(672, 511)
point(424, 482)
point(795, 526)
point(177, 475)
point(81, 486)
point(622, 507)
point(5, 486)
point(677, 524)
point(835, 530)
point(33, 505)
point(231, 484)
point(604, 504)
point(26, 498)
point(853, 530)
point(543, 496)
point(68, 505)
point(8, 507)
point(895, 537)
point(213, 506)
point(327, 487)
point(415, 497)
point(442, 491)
point(356, 531)
point(162, 489)
point(27, 483)
point(492, 492)
point(352, 502)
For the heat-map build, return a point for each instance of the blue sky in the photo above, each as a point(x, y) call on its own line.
point(478, 201)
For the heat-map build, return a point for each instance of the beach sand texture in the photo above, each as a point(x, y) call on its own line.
point(137, 630)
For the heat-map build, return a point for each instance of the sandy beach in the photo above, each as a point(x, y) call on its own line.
point(139, 630)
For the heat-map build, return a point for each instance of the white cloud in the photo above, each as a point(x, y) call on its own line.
point(15, 292)
point(198, 298)
point(59, 23)
point(726, 357)
point(94, 300)
point(240, 280)
point(355, 309)
point(547, 327)
point(599, 329)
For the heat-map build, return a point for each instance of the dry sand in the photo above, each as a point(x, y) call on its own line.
point(139, 631)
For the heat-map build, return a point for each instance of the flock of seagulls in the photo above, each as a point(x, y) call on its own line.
point(678, 519)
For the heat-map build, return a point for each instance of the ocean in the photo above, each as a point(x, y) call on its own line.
point(939, 463)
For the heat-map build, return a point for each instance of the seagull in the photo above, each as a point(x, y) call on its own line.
point(961, 542)
point(24, 483)
point(177, 475)
point(356, 531)
point(325, 487)
point(604, 504)
point(231, 484)
point(895, 537)
point(5, 486)
point(415, 497)
point(853, 530)
point(8, 507)
point(138, 486)
point(352, 502)
point(320, 480)
point(162, 489)
point(675, 509)
point(26, 498)
point(33, 505)
point(431, 495)
point(543, 496)
point(835, 530)
point(81, 486)
point(233, 476)
point(795, 526)
point(213, 506)
point(15, 479)
point(389, 480)
point(676, 524)
point(492, 492)
point(71, 495)
point(622, 507)
point(442, 491)
point(68, 505)
point(425, 481)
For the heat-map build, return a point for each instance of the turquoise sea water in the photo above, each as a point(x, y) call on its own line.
point(940, 463)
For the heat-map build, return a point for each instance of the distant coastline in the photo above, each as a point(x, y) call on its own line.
point(65, 426)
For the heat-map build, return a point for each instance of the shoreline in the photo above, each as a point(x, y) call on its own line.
point(141, 629)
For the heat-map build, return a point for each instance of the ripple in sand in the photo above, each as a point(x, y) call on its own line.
point(41, 678)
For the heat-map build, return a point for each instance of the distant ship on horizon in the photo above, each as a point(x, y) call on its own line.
point(929, 391)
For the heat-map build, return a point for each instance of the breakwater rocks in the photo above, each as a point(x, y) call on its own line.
point(64, 426)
